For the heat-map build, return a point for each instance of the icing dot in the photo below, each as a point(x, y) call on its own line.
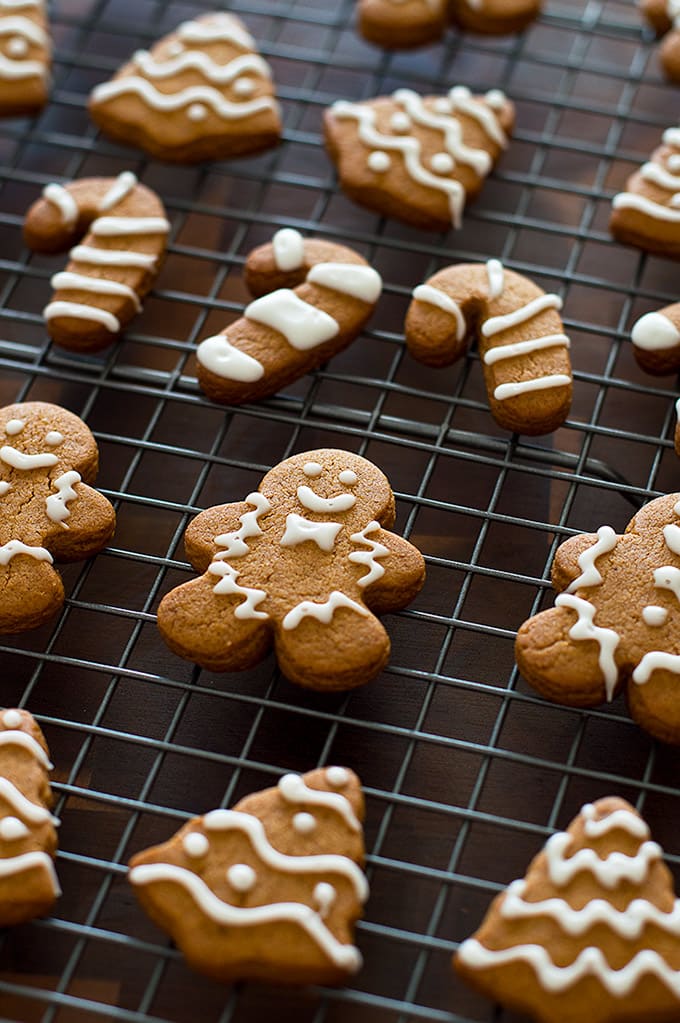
point(174, 49)
point(654, 615)
point(442, 163)
point(12, 828)
point(495, 98)
point(673, 162)
point(11, 719)
point(17, 47)
point(442, 105)
point(195, 844)
point(14, 426)
point(197, 112)
point(675, 199)
point(379, 161)
point(304, 823)
point(337, 776)
point(348, 477)
point(241, 877)
point(4, 487)
point(324, 897)
point(400, 121)
point(53, 438)
point(312, 469)
point(244, 86)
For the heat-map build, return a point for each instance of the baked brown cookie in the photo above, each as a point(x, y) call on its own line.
point(28, 840)
point(656, 340)
point(664, 16)
point(201, 93)
point(47, 458)
point(269, 890)
point(109, 273)
point(286, 333)
point(300, 565)
point(25, 55)
point(522, 344)
point(615, 622)
point(418, 158)
point(403, 24)
point(591, 933)
point(647, 214)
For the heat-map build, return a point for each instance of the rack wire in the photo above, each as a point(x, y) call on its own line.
point(466, 772)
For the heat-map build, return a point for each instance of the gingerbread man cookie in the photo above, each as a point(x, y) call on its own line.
point(301, 564)
point(47, 458)
point(522, 344)
point(114, 266)
point(286, 333)
point(402, 24)
point(269, 890)
point(25, 53)
point(615, 621)
point(201, 93)
point(647, 214)
point(664, 16)
point(418, 158)
point(28, 841)
point(591, 933)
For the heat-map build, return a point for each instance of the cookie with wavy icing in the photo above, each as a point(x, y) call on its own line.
point(522, 344)
point(592, 932)
point(302, 565)
point(270, 890)
point(121, 230)
point(664, 17)
point(25, 56)
point(403, 24)
point(201, 93)
point(418, 158)
point(647, 213)
point(48, 512)
point(28, 840)
point(614, 625)
point(313, 299)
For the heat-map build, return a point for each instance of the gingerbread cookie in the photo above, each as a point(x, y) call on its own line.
point(522, 344)
point(301, 564)
point(47, 458)
point(201, 93)
point(25, 53)
point(656, 340)
point(418, 158)
point(116, 263)
point(269, 890)
point(591, 933)
point(286, 333)
point(615, 621)
point(402, 24)
point(647, 214)
point(28, 841)
point(664, 16)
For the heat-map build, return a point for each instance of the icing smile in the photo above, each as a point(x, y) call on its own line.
point(339, 503)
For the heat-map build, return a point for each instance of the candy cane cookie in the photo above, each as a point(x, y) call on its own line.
point(664, 17)
point(521, 339)
point(313, 299)
point(25, 51)
point(403, 24)
point(647, 213)
point(112, 268)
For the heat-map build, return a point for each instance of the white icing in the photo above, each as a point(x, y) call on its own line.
point(11, 865)
point(217, 74)
point(654, 615)
point(23, 806)
point(655, 660)
point(610, 871)
point(14, 426)
point(668, 578)
point(112, 257)
point(337, 776)
point(54, 438)
point(658, 175)
point(78, 311)
point(195, 844)
point(16, 70)
point(236, 546)
point(347, 477)
point(673, 162)
point(513, 390)
point(17, 738)
point(169, 102)
point(462, 99)
point(12, 829)
point(671, 535)
point(312, 469)
point(114, 227)
point(437, 297)
point(497, 324)
point(537, 344)
point(294, 790)
point(244, 86)
point(56, 504)
point(17, 47)
point(4, 487)
point(15, 547)
point(324, 896)
point(322, 505)
point(496, 274)
point(629, 200)
point(118, 191)
point(304, 326)
point(585, 629)
point(228, 586)
point(442, 163)
point(496, 99)
point(590, 576)
point(449, 124)
point(370, 557)
point(20, 460)
point(221, 28)
point(299, 530)
point(304, 823)
point(655, 332)
point(288, 247)
point(235, 542)
point(24, 27)
point(626, 820)
point(12, 718)
point(323, 611)
point(64, 202)
point(65, 280)
point(219, 356)
point(241, 877)
point(379, 161)
point(353, 279)
point(400, 122)
point(197, 112)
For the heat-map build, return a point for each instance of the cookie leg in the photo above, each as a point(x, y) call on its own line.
point(31, 592)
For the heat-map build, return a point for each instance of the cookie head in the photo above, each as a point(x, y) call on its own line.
point(40, 437)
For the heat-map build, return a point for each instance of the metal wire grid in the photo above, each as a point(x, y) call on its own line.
point(466, 772)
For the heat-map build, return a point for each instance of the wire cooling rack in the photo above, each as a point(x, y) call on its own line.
point(466, 772)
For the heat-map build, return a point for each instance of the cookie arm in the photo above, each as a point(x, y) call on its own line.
point(91, 523)
point(202, 532)
point(566, 568)
point(404, 573)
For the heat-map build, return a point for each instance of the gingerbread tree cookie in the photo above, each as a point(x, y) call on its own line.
point(418, 158)
point(47, 458)
point(402, 24)
point(269, 890)
point(591, 933)
point(25, 53)
point(615, 621)
point(301, 564)
point(28, 841)
point(647, 213)
point(664, 16)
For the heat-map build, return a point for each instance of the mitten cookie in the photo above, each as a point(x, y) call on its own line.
point(48, 512)
point(28, 841)
point(418, 158)
point(114, 267)
point(522, 344)
point(201, 93)
point(664, 16)
point(647, 214)
point(591, 933)
point(269, 890)
point(615, 622)
point(25, 52)
point(397, 24)
point(301, 564)
point(286, 333)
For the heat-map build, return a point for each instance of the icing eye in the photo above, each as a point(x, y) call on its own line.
point(14, 426)
point(53, 438)
point(241, 877)
point(195, 844)
point(348, 477)
point(304, 823)
point(312, 469)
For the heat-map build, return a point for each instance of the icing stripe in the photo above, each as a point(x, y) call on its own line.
point(294, 789)
point(628, 200)
point(20, 26)
point(656, 660)
point(590, 576)
point(585, 629)
point(413, 104)
point(222, 28)
point(609, 872)
point(658, 175)
point(536, 344)
point(220, 357)
point(64, 201)
point(323, 612)
point(437, 297)
point(82, 312)
point(67, 281)
point(168, 102)
point(227, 586)
point(112, 257)
point(28, 861)
point(14, 737)
point(304, 326)
point(121, 188)
point(514, 389)
point(353, 279)
point(496, 274)
point(14, 547)
point(23, 806)
point(113, 227)
point(497, 324)
point(235, 541)
point(462, 99)
point(18, 69)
